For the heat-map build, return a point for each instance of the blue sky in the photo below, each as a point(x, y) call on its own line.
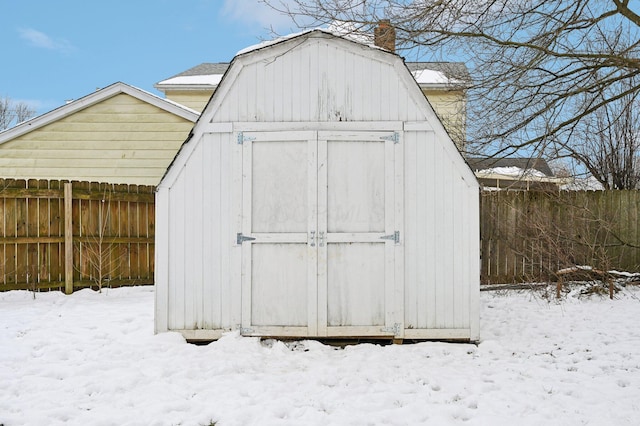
point(65, 49)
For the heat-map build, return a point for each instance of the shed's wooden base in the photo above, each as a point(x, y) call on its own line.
point(202, 337)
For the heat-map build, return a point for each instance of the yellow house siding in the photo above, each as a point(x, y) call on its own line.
point(121, 139)
point(450, 106)
point(194, 99)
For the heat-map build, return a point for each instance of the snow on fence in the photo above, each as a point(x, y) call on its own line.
point(66, 235)
point(527, 236)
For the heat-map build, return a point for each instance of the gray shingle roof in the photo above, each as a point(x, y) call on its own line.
point(522, 163)
point(452, 70)
point(205, 68)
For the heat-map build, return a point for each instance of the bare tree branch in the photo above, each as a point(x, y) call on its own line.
point(12, 112)
point(541, 68)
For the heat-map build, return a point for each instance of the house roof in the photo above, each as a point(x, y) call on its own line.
point(427, 74)
point(522, 163)
point(92, 99)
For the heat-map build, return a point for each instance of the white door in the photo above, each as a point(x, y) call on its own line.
point(318, 234)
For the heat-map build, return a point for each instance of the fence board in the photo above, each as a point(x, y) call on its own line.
point(528, 236)
point(32, 234)
point(525, 235)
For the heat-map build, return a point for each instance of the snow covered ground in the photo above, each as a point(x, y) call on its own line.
point(92, 359)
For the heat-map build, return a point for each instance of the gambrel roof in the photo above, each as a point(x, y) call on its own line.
point(207, 75)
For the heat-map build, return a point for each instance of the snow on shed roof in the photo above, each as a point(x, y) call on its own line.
point(433, 74)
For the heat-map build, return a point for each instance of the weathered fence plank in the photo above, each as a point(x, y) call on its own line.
point(61, 235)
point(529, 235)
point(47, 243)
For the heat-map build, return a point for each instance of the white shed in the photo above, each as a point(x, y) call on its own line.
point(318, 195)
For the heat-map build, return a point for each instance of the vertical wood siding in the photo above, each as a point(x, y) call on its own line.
point(320, 85)
point(334, 86)
point(200, 240)
point(440, 274)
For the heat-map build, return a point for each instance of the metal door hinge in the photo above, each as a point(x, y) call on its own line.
point(395, 237)
point(242, 138)
point(394, 137)
point(241, 238)
point(395, 329)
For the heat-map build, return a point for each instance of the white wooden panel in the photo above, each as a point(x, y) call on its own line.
point(416, 126)
point(356, 284)
point(461, 232)
point(444, 236)
point(335, 127)
point(247, 181)
point(279, 285)
point(428, 229)
point(356, 181)
point(411, 282)
point(211, 191)
point(322, 276)
point(438, 255)
point(389, 226)
point(318, 80)
point(177, 194)
point(438, 334)
point(276, 331)
point(279, 186)
point(161, 278)
point(363, 237)
point(232, 294)
point(398, 249)
point(279, 266)
point(312, 240)
point(474, 263)
point(216, 127)
point(193, 272)
point(375, 331)
point(279, 237)
point(356, 268)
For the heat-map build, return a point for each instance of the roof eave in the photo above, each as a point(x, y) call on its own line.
point(92, 99)
point(165, 87)
point(443, 86)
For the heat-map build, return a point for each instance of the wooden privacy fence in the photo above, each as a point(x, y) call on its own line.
point(527, 236)
point(66, 235)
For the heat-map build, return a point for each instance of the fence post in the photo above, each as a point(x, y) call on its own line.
point(68, 238)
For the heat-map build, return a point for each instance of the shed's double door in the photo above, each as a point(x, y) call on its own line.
point(318, 233)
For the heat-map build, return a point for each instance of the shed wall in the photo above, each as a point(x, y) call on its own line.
point(441, 275)
point(323, 82)
point(198, 281)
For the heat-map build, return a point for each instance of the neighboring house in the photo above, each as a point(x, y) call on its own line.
point(514, 173)
point(443, 83)
point(119, 134)
point(330, 202)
